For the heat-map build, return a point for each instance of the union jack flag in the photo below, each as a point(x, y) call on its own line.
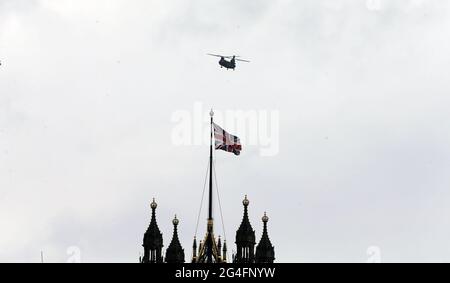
point(225, 141)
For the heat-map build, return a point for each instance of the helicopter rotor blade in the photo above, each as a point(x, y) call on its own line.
point(228, 57)
point(215, 55)
point(218, 55)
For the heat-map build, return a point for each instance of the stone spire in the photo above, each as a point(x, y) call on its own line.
point(175, 252)
point(224, 256)
point(265, 252)
point(153, 240)
point(245, 238)
point(194, 250)
point(219, 248)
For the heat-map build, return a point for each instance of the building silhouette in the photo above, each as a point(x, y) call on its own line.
point(245, 239)
point(265, 252)
point(175, 253)
point(153, 240)
point(245, 243)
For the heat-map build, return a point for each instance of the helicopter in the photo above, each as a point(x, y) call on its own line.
point(231, 64)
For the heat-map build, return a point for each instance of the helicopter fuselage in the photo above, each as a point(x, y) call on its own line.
point(227, 64)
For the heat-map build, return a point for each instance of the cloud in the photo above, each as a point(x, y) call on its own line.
point(88, 88)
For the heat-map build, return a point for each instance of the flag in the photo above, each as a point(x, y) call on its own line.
point(225, 141)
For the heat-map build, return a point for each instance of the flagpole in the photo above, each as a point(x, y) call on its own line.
point(209, 242)
point(210, 216)
point(209, 250)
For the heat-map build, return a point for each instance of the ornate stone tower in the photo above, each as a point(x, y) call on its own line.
point(245, 239)
point(153, 240)
point(265, 252)
point(175, 253)
point(209, 250)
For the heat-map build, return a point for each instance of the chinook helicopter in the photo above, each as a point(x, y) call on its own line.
point(231, 64)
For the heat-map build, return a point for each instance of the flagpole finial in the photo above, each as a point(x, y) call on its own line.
point(211, 113)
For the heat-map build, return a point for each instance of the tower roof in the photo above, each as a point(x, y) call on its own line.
point(175, 252)
point(265, 252)
point(153, 238)
point(245, 233)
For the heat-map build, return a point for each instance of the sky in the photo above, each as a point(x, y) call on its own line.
point(353, 94)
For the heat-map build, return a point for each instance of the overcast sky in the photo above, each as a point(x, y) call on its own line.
point(88, 92)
